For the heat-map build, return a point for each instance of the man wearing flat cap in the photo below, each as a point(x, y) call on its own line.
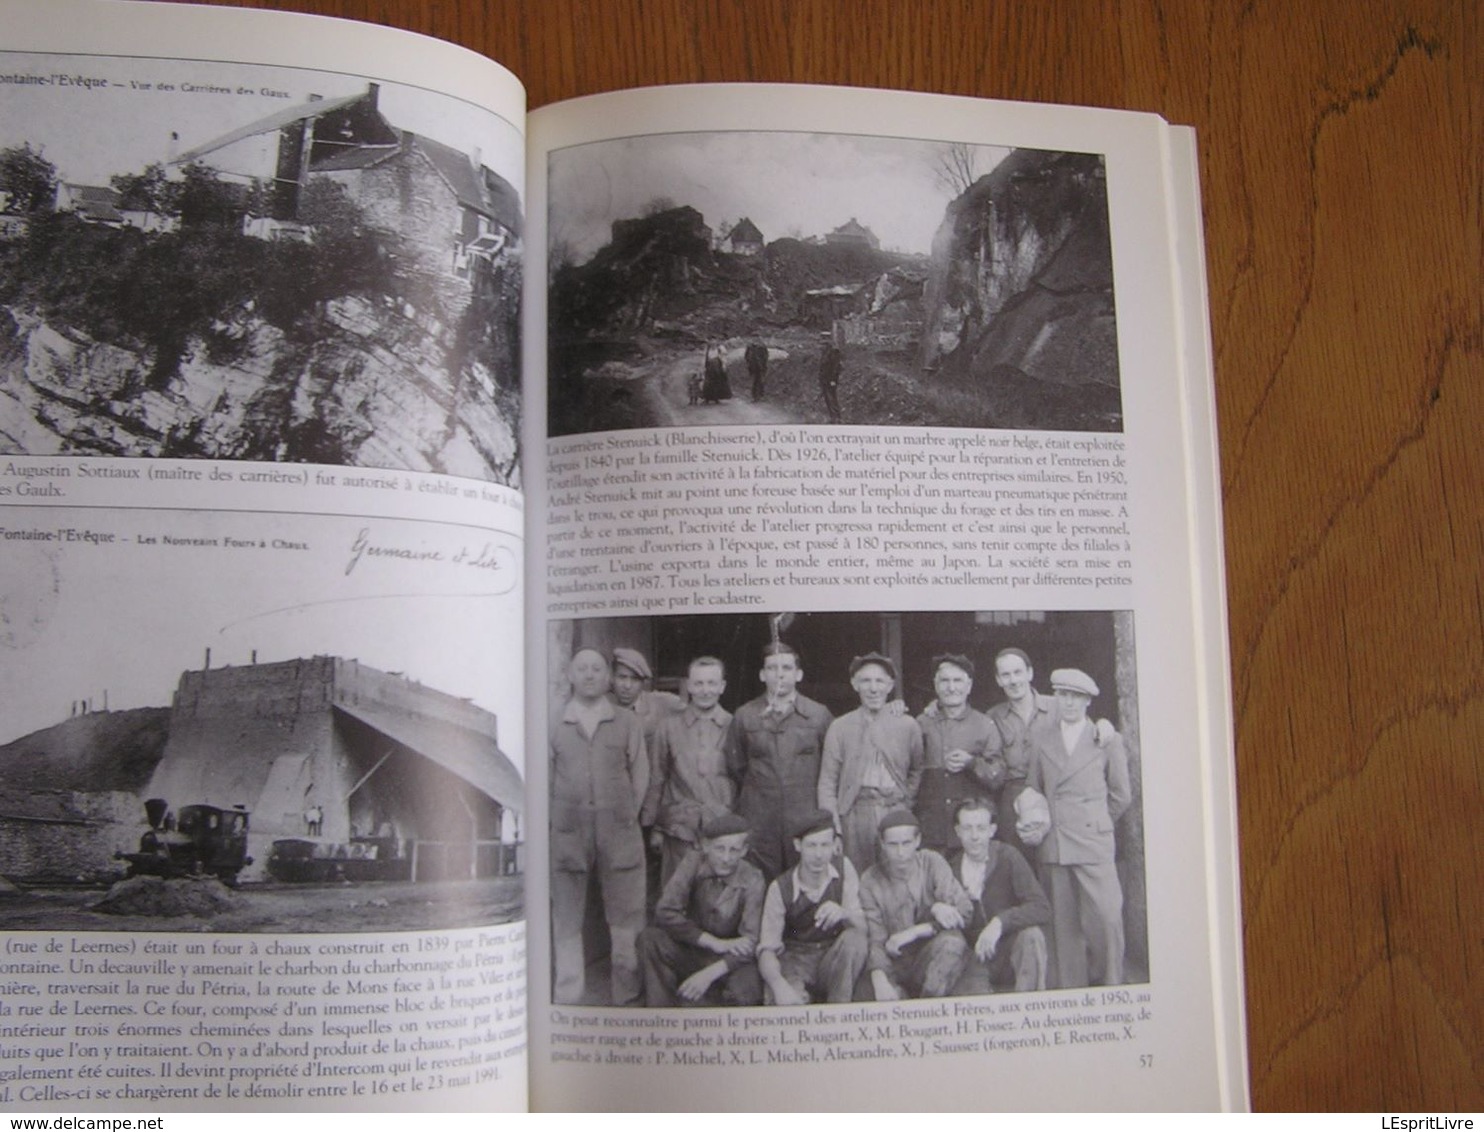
point(632, 677)
point(872, 761)
point(813, 943)
point(702, 946)
point(915, 915)
point(1087, 789)
point(1022, 714)
point(599, 776)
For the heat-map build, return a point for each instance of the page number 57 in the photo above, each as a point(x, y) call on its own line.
point(1146, 1061)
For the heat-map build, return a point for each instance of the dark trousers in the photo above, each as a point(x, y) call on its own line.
point(667, 963)
point(831, 402)
point(825, 971)
point(1018, 963)
point(929, 968)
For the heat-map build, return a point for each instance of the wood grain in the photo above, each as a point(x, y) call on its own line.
point(1340, 143)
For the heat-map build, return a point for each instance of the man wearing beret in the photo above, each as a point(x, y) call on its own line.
point(915, 912)
point(813, 942)
point(701, 948)
point(773, 748)
point(599, 775)
point(961, 753)
point(690, 782)
point(872, 760)
point(1087, 789)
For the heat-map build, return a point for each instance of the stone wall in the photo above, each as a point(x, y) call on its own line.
point(406, 197)
point(67, 835)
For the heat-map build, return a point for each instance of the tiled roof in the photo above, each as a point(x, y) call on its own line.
point(97, 201)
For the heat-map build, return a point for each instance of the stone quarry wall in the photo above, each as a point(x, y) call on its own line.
point(1021, 275)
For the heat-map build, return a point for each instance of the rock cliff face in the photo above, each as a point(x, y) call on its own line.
point(1021, 283)
point(375, 387)
point(649, 270)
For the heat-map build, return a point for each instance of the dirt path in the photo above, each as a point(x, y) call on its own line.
point(663, 387)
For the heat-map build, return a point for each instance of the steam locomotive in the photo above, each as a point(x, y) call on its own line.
point(200, 841)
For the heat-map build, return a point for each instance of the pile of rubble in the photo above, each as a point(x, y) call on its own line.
point(202, 897)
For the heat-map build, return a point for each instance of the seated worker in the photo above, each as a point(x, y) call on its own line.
point(813, 942)
point(701, 946)
point(1009, 907)
point(915, 913)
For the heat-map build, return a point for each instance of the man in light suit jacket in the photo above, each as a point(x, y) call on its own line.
point(1087, 789)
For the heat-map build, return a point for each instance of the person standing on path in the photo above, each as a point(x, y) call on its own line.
point(830, 364)
point(715, 387)
point(756, 357)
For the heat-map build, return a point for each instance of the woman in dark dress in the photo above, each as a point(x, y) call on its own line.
point(715, 387)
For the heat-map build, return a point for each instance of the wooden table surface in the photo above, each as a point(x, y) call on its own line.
point(1340, 145)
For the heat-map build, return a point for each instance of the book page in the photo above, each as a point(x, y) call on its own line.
point(882, 753)
point(262, 814)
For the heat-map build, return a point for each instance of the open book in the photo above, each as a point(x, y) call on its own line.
point(700, 597)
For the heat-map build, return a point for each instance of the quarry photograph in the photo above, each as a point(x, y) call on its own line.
point(313, 269)
point(775, 277)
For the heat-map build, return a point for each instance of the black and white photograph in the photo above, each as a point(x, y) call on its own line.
point(259, 263)
point(306, 730)
point(790, 808)
point(807, 278)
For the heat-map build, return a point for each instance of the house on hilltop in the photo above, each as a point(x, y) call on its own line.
point(95, 204)
point(454, 214)
point(853, 234)
point(745, 238)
